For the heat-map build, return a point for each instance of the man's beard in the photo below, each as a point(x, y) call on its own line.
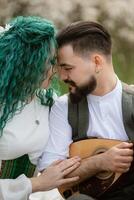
point(81, 91)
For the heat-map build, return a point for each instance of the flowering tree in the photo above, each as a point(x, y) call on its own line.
point(117, 16)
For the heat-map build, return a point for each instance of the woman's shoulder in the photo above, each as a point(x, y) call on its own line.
point(46, 97)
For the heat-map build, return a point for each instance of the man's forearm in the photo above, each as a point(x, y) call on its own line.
point(88, 167)
point(116, 159)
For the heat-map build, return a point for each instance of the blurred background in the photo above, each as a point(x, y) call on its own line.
point(116, 15)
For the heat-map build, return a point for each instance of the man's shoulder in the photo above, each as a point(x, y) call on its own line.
point(128, 88)
point(63, 98)
point(62, 101)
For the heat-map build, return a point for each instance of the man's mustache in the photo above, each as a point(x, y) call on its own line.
point(72, 83)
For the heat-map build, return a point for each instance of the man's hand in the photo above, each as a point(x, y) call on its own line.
point(54, 175)
point(118, 158)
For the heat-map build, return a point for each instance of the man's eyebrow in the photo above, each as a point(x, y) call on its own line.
point(65, 65)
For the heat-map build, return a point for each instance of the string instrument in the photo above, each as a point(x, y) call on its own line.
point(98, 184)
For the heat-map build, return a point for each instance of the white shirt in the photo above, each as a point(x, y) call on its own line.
point(22, 135)
point(105, 121)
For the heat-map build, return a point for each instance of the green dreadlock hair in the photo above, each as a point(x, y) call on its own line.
point(27, 51)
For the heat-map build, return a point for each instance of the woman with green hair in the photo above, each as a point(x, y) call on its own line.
point(27, 57)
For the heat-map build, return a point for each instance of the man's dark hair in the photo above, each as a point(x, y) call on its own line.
point(85, 36)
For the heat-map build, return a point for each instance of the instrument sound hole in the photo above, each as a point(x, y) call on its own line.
point(104, 174)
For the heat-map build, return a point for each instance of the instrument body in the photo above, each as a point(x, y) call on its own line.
point(98, 184)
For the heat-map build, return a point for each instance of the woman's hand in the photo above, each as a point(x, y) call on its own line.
point(55, 174)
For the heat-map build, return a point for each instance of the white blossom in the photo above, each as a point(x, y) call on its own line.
point(7, 27)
